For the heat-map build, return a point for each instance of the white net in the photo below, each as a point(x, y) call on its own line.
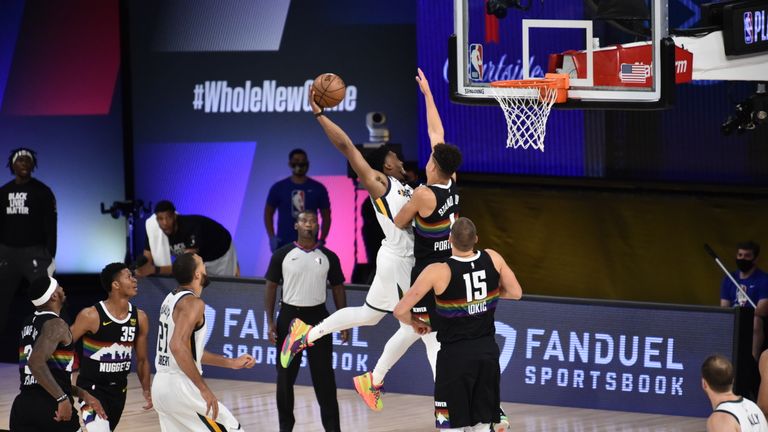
point(526, 112)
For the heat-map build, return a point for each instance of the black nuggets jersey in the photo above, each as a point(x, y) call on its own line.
point(431, 233)
point(466, 308)
point(107, 354)
point(60, 362)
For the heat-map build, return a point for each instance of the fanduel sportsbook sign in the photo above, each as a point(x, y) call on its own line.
point(607, 355)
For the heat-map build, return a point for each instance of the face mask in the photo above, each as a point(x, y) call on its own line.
point(205, 281)
point(744, 265)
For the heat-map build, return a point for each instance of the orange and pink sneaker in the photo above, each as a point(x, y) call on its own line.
point(295, 342)
point(370, 393)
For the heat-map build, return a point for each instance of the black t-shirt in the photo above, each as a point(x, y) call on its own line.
point(28, 215)
point(206, 235)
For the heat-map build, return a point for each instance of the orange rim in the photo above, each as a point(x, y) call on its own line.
point(560, 82)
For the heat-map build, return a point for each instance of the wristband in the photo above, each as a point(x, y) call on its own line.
point(317, 114)
point(62, 398)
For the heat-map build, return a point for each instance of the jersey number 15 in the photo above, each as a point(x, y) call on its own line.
point(475, 285)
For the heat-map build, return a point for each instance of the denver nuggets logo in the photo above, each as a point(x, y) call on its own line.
point(133, 321)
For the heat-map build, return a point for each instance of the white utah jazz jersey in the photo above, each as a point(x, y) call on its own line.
point(164, 360)
point(749, 416)
point(397, 195)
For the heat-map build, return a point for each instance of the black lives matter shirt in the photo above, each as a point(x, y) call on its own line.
point(206, 235)
point(28, 215)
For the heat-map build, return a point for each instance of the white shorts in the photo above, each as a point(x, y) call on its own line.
point(181, 408)
point(392, 280)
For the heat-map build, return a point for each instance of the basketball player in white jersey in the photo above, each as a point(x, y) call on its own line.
point(181, 397)
point(383, 177)
point(731, 412)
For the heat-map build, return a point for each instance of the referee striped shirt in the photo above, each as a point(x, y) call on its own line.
point(304, 273)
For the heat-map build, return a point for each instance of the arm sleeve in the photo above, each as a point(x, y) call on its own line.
point(275, 269)
point(335, 275)
point(49, 222)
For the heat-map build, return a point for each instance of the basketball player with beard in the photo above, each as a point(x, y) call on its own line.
point(181, 397)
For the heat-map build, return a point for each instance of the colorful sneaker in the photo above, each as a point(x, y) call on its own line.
point(370, 393)
point(503, 424)
point(295, 342)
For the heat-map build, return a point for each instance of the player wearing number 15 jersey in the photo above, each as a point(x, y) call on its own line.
point(182, 399)
point(112, 331)
point(467, 288)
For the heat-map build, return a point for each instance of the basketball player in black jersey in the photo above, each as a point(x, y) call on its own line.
point(466, 288)
point(112, 330)
point(46, 353)
point(431, 209)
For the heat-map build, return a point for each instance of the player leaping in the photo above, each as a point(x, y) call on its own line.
point(382, 175)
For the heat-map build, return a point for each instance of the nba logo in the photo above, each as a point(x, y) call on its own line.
point(748, 39)
point(476, 62)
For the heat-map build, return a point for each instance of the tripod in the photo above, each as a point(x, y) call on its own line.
point(131, 210)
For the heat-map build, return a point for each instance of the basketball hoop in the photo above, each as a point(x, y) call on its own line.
point(527, 109)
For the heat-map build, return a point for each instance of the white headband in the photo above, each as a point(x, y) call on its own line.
point(20, 153)
point(48, 293)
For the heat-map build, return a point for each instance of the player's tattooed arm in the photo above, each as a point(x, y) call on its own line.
point(53, 333)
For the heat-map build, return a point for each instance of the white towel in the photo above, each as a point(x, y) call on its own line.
point(158, 243)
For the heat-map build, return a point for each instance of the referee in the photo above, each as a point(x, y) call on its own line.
point(304, 268)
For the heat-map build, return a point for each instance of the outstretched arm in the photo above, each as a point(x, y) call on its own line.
point(375, 182)
point(434, 124)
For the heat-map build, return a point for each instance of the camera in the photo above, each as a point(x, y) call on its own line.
point(376, 122)
point(749, 113)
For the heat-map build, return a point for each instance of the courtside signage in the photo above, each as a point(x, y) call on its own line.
point(616, 356)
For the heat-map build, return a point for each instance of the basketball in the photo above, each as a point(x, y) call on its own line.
point(329, 90)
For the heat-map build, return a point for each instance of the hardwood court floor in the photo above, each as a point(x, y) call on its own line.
point(254, 405)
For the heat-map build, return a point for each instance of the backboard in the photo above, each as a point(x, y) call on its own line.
point(616, 52)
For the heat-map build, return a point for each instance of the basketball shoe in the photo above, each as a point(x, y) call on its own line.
point(295, 342)
point(370, 393)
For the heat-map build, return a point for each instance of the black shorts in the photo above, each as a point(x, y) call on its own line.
point(467, 383)
point(112, 399)
point(33, 410)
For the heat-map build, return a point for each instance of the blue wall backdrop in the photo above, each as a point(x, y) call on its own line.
point(59, 95)
point(217, 154)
